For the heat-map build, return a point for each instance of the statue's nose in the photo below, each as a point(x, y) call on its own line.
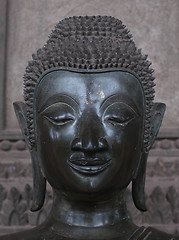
point(90, 145)
point(90, 136)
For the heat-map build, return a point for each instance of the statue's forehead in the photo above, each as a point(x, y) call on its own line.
point(91, 87)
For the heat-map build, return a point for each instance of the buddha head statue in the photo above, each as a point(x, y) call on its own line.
point(89, 118)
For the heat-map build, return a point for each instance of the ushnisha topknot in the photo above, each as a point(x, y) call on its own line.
point(89, 42)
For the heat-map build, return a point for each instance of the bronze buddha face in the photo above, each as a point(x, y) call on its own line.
point(89, 121)
point(101, 52)
point(89, 130)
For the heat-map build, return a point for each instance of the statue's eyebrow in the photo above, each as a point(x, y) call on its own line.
point(64, 98)
point(121, 98)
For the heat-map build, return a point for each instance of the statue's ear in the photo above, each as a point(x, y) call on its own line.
point(21, 114)
point(39, 180)
point(138, 183)
point(156, 120)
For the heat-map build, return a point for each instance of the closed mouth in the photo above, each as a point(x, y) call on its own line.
point(89, 166)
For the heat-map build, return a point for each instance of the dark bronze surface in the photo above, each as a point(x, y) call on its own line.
point(89, 144)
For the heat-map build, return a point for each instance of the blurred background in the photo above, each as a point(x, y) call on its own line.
point(24, 27)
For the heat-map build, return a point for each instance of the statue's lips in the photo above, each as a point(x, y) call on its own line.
point(89, 166)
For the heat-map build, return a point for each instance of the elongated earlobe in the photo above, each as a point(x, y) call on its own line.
point(39, 182)
point(138, 183)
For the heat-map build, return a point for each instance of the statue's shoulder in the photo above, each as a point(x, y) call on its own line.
point(140, 234)
point(150, 233)
point(31, 234)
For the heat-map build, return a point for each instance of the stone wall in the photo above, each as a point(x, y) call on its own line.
point(24, 27)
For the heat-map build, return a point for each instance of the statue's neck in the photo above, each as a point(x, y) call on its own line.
point(76, 216)
point(89, 211)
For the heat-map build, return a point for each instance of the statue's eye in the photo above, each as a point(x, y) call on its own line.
point(118, 119)
point(59, 114)
point(60, 120)
point(119, 114)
